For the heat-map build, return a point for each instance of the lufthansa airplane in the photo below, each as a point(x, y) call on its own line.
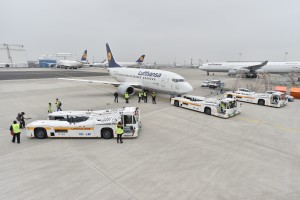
point(138, 63)
point(251, 69)
point(71, 64)
point(147, 79)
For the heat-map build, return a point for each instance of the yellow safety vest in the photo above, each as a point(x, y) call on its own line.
point(140, 94)
point(119, 130)
point(126, 95)
point(153, 94)
point(16, 128)
point(50, 109)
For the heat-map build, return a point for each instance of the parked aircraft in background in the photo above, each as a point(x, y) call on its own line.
point(147, 79)
point(251, 69)
point(71, 64)
point(103, 63)
point(137, 63)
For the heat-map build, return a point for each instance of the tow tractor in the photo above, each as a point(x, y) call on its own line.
point(276, 99)
point(87, 124)
point(223, 108)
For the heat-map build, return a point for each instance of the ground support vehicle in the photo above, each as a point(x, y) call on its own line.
point(214, 84)
point(87, 124)
point(205, 83)
point(289, 97)
point(223, 108)
point(276, 99)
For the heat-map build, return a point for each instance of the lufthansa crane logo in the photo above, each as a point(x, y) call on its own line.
point(84, 56)
point(142, 58)
point(109, 56)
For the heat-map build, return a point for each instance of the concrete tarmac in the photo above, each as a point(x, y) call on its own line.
point(23, 73)
point(180, 154)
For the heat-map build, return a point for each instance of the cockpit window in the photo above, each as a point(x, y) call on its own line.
point(177, 80)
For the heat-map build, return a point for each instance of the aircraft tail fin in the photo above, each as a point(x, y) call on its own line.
point(110, 58)
point(141, 59)
point(84, 55)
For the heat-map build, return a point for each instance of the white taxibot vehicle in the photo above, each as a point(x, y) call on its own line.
point(87, 124)
point(276, 99)
point(223, 108)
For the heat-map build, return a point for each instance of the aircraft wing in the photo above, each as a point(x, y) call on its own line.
point(255, 67)
point(116, 84)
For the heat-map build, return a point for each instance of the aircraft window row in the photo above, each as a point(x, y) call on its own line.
point(148, 78)
point(177, 80)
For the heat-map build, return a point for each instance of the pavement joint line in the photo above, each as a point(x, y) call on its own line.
point(254, 121)
point(274, 149)
point(226, 158)
point(22, 150)
point(99, 171)
point(253, 180)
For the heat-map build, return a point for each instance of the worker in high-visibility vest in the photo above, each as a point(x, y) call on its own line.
point(126, 96)
point(153, 97)
point(15, 131)
point(145, 97)
point(140, 95)
point(119, 132)
point(50, 108)
point(58, 104)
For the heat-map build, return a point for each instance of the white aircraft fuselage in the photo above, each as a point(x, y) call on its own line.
point(151, 79)
point(270, 67)
point(69, 64)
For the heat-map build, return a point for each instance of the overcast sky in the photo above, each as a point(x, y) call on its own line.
point(214, 30)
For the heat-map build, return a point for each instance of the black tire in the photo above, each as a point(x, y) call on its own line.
point(261, 102)
point(229, 96)
point(207, 111)
point(176, 103)
point(107, 133)
point(40, 133)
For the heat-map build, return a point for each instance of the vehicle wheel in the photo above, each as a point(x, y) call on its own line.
point(229, 96)
point(176, 103)
point(107, 133)
point(40, 133)
point(261, 102)
point(207, 111)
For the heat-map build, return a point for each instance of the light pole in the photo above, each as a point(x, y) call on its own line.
point(285, 55)
point(240, 55)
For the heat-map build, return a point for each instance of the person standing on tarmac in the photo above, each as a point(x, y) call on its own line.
point(140, 94)
point(21, 119)
point(119, 132)
point(15, 131)
point(58, 105)
point(153, 97)
point(126, 97)
point(145, 97)
point(50, 108)
point(116, 94)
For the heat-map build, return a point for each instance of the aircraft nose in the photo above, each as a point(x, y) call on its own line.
point(187, 88)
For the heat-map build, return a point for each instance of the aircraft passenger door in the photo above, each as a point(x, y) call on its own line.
point(163, 82)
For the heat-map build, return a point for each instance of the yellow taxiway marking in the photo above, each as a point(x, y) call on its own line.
point(254, 121)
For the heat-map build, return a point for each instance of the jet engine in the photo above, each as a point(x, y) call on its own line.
point(125, 88)
point(232, 72)
point(260, 71)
